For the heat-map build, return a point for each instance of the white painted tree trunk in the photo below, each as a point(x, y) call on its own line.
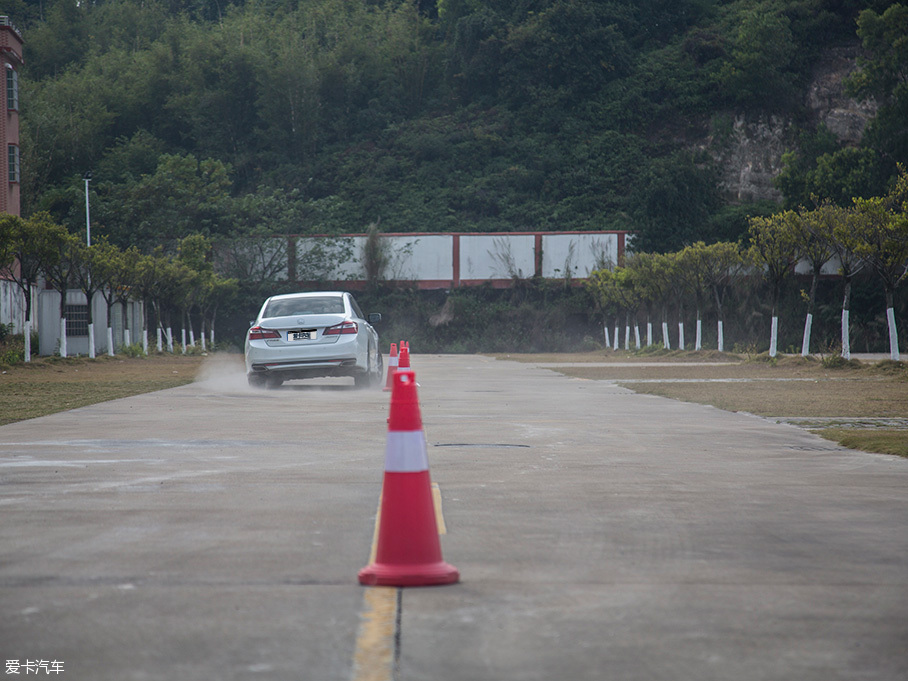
point(721, 333)
point(63, 337)
point(636, 335)
point(183, 339)
point(893, 336)
point(680, 335)
point(666, 341)
point(159, 336)
point(91, 340)
point(144, 340)
point(126, 337)
point(28, 340)
point(617, 339)
point(110, 345)
point(649, 333)
point(846, 335)
point(203, 340)
point(627, 337)
point(698, 343)
point(805, 343)
point(774, 336)
point(608, 342)
point(170, 340)
point(191, 337)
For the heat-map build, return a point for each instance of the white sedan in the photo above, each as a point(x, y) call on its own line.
point(308, 335)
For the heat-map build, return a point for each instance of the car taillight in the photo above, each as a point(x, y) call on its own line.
point(340, 329)
point(258, 333)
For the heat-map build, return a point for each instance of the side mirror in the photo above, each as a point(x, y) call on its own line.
point(374, 317)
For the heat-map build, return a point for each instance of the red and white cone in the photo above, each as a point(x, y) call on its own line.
point(393, 363)
point(408, 551)
point(403, 360)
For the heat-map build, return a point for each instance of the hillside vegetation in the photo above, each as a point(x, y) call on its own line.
point(325, 116)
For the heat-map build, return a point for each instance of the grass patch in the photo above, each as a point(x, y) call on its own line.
point(49, 385)
point(880, 441)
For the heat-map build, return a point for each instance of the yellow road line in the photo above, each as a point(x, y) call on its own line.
point(439, 516)
point(375, 656)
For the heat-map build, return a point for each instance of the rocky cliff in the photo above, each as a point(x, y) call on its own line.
point(749, 150)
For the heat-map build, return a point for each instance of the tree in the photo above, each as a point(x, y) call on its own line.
point(674, 199)
point(218, 290)
point(183, 196)
point(692, 262)
point(124, 286)
point(882, 239)
point(844, 228)
point(34, 246)
point(883, 75)
point(761, 58)
point(774, 252)
point(148, 272)
point(93, 269)
point(680, 282)
point(811, 237)
point(60, 272)
point(602, 286)
point(629, 294)
point(722, 264)
point(107, 265)
point(654, 273)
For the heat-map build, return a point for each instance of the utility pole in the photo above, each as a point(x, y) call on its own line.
point(87, 211)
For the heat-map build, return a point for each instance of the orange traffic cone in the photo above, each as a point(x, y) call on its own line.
point(408, 552)
point(392, 367)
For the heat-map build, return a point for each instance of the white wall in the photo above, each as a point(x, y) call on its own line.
point(12, 306)
point(497, 256)
point(428, 259)
point(583, 253)
point(48, 311)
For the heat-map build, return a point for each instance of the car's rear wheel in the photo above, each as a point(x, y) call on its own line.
point(256, 380)
point(371, 378)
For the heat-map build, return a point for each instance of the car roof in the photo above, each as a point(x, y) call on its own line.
point(308, 294)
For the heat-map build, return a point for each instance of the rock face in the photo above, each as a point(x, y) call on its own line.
point(750, 153)
point(753, 157)
point(846, 118)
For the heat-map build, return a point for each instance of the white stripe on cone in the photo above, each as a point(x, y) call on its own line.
point(405, 452)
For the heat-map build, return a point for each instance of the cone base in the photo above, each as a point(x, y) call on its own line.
point(428, 574)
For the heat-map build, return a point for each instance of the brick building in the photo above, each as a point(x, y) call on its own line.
point(11, 303)
point(11, 56)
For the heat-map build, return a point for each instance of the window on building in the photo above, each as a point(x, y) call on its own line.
point(77, 320)
point(13, 163)
point(12, 89)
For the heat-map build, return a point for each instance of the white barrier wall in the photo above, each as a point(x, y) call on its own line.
point(579, 253)
point(503, 256)
point(449, 260)
point(424, 257)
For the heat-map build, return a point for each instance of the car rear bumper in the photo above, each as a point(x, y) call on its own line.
point(291, 369)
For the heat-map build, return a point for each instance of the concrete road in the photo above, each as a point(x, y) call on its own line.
point(213, 532)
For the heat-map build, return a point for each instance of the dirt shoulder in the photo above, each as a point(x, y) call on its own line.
point(862, 405)
point(49, 385)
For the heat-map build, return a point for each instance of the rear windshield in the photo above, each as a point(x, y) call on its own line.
point(314, 305)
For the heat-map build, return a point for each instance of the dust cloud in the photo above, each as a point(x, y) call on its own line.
point(223, 372)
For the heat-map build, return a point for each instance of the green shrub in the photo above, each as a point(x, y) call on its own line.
point(134, 350)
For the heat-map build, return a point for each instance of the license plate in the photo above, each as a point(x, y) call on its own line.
point(301, 335)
